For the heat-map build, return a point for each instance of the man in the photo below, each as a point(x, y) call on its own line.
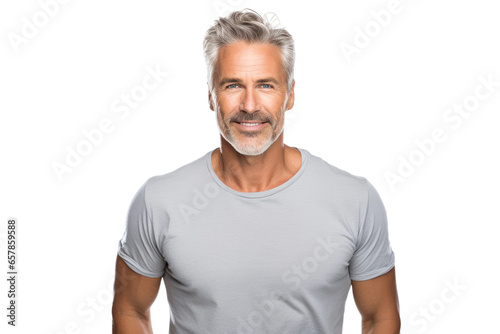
point(255, 236)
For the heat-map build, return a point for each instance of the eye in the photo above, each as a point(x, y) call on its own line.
point(269, 86)
point(229, 86)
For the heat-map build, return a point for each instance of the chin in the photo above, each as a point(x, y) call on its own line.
point(251, 149)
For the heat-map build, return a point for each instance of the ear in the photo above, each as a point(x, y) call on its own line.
point(291, 97)
point(210, 104)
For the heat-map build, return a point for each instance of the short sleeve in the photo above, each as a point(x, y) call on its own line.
point(138, 246)
point(373, 255)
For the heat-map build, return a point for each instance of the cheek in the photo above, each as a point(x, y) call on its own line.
point(273, 102)
point(228, 103)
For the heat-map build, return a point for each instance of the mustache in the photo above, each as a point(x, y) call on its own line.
point(250, 118)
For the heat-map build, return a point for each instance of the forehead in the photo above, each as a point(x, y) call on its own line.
point(249, 57)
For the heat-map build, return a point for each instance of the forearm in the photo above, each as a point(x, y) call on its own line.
point(131, 323)
point(386, 326)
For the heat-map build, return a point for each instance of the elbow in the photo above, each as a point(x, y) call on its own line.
point(118, 312)
point(128, 320)
point(389, 324)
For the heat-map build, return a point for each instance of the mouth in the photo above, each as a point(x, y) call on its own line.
point(251, 125)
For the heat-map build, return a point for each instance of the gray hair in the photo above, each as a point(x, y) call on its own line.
point(247, 26)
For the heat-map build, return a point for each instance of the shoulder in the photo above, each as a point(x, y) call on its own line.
point(174, 185)
point(337, 180)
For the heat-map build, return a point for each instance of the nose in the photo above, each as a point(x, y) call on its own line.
point(249, 101)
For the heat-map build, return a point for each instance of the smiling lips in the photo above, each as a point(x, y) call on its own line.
point(251, 125)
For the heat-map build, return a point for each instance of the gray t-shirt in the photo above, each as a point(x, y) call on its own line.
point(276, 261)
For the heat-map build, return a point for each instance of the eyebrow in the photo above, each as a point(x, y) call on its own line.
point(228, 80)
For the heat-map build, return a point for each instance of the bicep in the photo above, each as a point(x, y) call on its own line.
point(377, 298)
point(132, 291)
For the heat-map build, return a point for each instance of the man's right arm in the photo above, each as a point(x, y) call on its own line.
point(133, 296)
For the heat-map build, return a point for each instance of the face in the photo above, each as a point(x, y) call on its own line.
point(250, 87)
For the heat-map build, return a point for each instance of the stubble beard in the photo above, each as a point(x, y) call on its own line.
point(250, 144)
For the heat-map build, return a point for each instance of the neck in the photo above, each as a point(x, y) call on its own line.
point(257, 173)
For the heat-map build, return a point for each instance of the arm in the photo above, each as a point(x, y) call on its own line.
point(377, 301)
point(133, 296)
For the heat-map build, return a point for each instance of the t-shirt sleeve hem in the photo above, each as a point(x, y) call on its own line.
point(136, 267)
point(373, 273)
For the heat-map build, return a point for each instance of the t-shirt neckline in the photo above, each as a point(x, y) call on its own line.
point(259, 194)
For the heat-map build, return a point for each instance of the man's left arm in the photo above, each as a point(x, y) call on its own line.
point(377, 301)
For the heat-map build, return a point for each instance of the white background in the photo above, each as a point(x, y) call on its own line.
point(359, 115)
